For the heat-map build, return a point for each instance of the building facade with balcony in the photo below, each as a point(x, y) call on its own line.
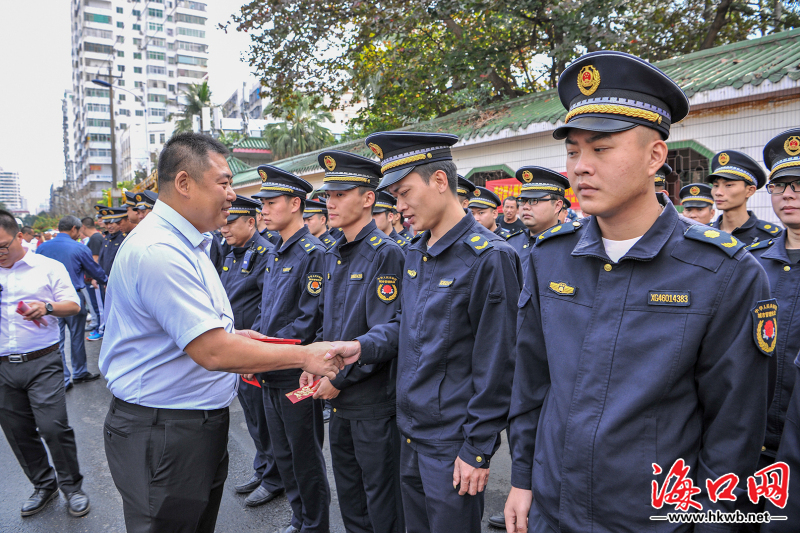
point(151, 51)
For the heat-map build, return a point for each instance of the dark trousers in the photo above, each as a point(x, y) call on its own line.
point(169, 466)
point(366, 467)
point(32, 396)
point(293, 431)
point(429, 500)
point(264, 463)
point(95, 308)
point(77, 330)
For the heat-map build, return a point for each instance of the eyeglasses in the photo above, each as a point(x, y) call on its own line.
point(780, 187)
point(4, 249)
point(534, 201)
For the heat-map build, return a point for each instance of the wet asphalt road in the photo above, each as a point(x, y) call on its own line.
point(87, 405)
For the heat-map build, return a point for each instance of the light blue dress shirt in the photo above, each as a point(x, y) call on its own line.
point(163, 294)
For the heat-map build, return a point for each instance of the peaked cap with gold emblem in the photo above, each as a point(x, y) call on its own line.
point(243, 206)
point(613, 91)
point(782, 154)
point(130, 199)
point(315, 207)
point(661, 175)
point(538, 182)
point(384, 202)
point(278, 182)
point(401, 151)
point(696, 195)
point(113, 214)
point(465, 187)
point(483, 198)
point(345, 171)
point(736, 166)
point(146, 200)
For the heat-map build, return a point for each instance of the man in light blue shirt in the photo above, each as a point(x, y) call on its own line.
point(169, 353)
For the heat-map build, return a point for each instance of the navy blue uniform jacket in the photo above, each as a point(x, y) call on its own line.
point(109, 251)
point(622, 365)
point(753, 230)
point(244, 289)
point(454, 338)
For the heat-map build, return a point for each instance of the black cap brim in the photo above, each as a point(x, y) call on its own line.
point(337, 187)
point(732, 177)
point(793, 172)
point(270, 194)
point(695, 203)
point(390, 178)
point(600, 124)
point(231, 218)
point(536, 194)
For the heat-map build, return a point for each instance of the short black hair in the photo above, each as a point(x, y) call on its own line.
point(68, 222)
point(8, 223)
point(87, 222)
point(27, 230)
point(188, 152)
point(447, 166)
point(516, 201)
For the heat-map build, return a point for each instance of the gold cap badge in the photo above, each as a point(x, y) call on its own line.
point(792, 146)
point(263, 176)
point(588, 80)
point(527, 176)
point(723, 158)
point(138, 197)
point(477, 192)
point(376, 149)
point(330, 163)
point(694, 191)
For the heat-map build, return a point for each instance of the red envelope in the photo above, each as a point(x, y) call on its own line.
point(23, 308)
point(254, 382)
point(303, 392)
point(276, 340)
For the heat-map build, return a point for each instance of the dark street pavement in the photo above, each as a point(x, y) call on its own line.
point(87, 405)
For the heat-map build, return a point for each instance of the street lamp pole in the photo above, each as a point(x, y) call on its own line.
point(113, 132)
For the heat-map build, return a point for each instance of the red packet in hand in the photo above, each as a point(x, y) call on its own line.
point(23, 308)
point(276, 340)
point(303, 392)
point(254, 382)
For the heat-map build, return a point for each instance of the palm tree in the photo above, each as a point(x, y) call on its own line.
point(300, 131)
point(197, 97)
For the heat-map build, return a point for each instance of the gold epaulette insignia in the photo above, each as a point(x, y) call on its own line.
point(760, 245)
point(478, 243)
point(561, 229)
point(722, 240)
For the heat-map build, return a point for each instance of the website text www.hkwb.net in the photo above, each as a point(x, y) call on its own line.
point(719, 517)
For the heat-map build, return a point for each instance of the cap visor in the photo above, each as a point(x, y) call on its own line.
point(724, 175)
point(695, 203)
point(587, 123)
point(536, 194)
point(231, 218)
point(337, 186)
point(270, 194)
point(793, 172)
point(393, 177)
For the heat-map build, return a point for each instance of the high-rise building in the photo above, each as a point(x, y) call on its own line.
point(9, 190)
point(151, 51)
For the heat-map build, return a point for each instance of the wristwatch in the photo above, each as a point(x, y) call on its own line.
point(48, 307)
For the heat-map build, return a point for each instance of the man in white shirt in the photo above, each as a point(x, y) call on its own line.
point(28, 241)
point(31, 387)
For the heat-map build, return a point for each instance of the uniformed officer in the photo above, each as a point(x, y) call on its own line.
point(272, 236)
point(543, 199)
point(454, 337)
point(697, 202)
point(243, 278)
point(382, 213)
point(320, 196)
point(734, 178)
point(315, 216)
point(290, 308)
point(660, 178)
point(465, 188)
point(113, 217)
point(145, 201)
point(637, 342)
point(363, 279)
point(483, 204)
point(132, 212)
point(780, 257)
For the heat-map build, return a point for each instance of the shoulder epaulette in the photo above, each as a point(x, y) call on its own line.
point(377, 242)
point(722, 240)
point(503, 232)
point(561, 229)
point(478, 243)
point(328, 241)
point(760, 245)
point(402, 242)
point(416, 237)
point(261, 249)
point(308, 247)
point(770, 228)
point(515, 231)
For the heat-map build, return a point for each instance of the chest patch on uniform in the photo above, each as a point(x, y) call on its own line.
point(357, 275)
point(412, 273)
point(561, 288)
point(765, 325)
point(314, 284)
point(446, 282)
point(387, 288)
point(286, 270)
point(674, 298)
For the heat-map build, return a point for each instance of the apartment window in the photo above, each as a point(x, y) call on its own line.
point(139, 113)
point(120, 39)
point(155, 112)
point(169, 18)
point(120, 24)
point(97, 48)
point(98, 123)
point(99, 137)
point(189, 32)
point(137, 13)
point(157, 42)
point(157, 13)
point(119, 10)
point(137, 27)
point(152, 138)
point(137, 55)
point(158, 56)
point(137, 70)
point(153, 69)
point(191, 19)
point(92, 17)
point(192, 47)
point(189, 60)
point(190, 73)
point(172, 88)
point(169, 32)
point(125, 112)
point(121, 83)
point(99, 153)
point(162, 138)
point(157, 84)
point(171, 46)
point(171, 73)
point(123, 126)
point(137, 41)
point(100, 108)
point(152, 26)
point(121, 68)
point(121, 97)
point(197, 6)
point(120, 53)
point(100, 93)
point(138, 84)
point(93, 32)
point(156, 98)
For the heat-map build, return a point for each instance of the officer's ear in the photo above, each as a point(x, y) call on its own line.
point(750, 190)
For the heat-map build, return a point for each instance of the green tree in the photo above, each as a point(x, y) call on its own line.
point(300, 129)
point(412, 60)
point(197, 97)
point(229, 138)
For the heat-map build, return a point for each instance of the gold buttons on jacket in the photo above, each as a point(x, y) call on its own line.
point(425, 259)
point(334, 409)
point(338, 262)
point(607, 267)
point(276, 259)
point(408, 441)
point(479, 459)
point(787, 268)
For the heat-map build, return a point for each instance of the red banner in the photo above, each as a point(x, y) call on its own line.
point(511, 187)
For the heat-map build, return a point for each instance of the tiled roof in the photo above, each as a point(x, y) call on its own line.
point(251, 143)
point(237, 165)
point(747, 62)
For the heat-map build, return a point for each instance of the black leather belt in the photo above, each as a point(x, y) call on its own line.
point(30, 356)
point(157, 414)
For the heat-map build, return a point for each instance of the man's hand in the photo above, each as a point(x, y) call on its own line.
point(518, 505)
point(249, 377)
point(36, 310)
point(348, 351)
point(473, 480)
point(325, 390)
point(318, 361)
point(307, 379)
point(95, 284)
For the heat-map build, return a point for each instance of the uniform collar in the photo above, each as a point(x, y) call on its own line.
point(455, 233)
point(650, 244)
point(751, 222)
point(394, 235)
point(177, 221)
point(344, 243)
point(284, 246)
point(778, 249)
